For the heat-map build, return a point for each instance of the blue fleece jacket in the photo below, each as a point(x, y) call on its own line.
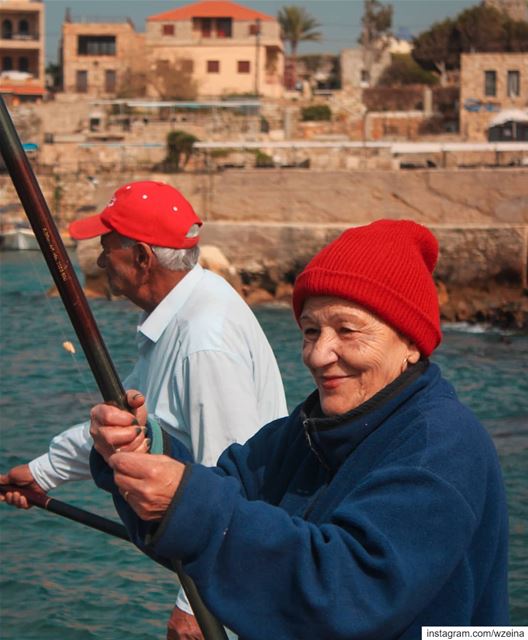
point(365, 527)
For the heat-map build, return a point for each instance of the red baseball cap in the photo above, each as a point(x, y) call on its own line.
point(152, 212)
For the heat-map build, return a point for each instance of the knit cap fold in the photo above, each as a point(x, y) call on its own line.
point(385, 266)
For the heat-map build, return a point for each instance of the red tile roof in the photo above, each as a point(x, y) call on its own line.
point(211, 9)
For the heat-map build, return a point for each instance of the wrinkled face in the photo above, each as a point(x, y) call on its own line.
point(350, 352)
point(117, 261)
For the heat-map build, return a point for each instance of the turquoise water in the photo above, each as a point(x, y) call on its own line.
point(60, 579)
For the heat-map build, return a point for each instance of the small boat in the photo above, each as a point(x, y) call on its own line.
point(19, 238)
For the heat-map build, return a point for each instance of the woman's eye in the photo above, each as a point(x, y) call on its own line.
point(345, 331)
point(310, 332)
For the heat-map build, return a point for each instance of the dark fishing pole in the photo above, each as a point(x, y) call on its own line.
point(43, 501)
point(73, 298)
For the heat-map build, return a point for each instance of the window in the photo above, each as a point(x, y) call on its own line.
point(81, 81)
point(110, 80)
point(23, 63)
point(254, 29)
point(168, 30)
point(514, 84)
point(203, 25)
point(213, 66)
point(223, 28)
point(23, 28)
point(243, 66)
point(490, 83)
point(7, 63)
point(96, 46)
point(7, 29)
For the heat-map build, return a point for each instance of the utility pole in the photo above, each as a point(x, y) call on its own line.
point(257, 57)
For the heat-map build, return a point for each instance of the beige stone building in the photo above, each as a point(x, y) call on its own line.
point(226, 47)
point(490, 83)
point(97, 58)
point(22, 48)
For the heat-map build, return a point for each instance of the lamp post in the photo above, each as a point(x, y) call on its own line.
point(257, 56)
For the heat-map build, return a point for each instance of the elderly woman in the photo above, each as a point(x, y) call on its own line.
point(377, 507)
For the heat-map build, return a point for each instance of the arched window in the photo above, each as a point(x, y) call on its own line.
point(7, 63)
point(23, 63)
point(23, 27)
point(7, 29)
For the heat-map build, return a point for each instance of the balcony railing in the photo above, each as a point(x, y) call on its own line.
point(19, 37)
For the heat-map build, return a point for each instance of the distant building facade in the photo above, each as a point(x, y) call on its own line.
point(22, 48)
point(489, 84)
point(97, 57)
point(226, 48)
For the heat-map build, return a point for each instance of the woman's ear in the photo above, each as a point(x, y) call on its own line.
point(414, 354)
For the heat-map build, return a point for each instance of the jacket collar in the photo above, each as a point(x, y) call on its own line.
point(334, 438)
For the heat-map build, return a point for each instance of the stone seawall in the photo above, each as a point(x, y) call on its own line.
point(268, 223)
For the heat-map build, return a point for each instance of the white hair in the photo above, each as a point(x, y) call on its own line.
point(173, 259)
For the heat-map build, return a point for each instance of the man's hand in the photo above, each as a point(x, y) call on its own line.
point(20, 476)
point(147, 482)
point(115, 430)
point(183, 626)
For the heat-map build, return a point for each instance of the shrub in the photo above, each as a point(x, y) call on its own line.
point(316, 112)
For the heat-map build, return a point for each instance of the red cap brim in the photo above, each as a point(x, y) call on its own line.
point(89, 227)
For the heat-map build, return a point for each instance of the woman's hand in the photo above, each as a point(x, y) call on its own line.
point(147, 482)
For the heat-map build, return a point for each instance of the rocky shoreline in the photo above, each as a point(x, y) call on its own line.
point(504, 306)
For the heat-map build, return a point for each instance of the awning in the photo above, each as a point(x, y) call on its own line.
point(509, 115)
point(22, 90)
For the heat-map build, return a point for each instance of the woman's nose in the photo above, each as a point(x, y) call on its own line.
point(101, 262)
point(321, 352)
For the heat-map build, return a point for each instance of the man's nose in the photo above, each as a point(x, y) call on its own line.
point(101, 262)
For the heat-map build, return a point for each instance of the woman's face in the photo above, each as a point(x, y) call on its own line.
point(350, 352)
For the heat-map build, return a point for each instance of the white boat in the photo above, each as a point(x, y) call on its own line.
point(19, 239)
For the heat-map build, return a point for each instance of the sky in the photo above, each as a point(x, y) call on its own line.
point(340, 19)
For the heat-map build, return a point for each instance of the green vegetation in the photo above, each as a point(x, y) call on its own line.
point(405, 70)
point(297, 25)
point(316, 112)
point(479, 29)
point(179, 145)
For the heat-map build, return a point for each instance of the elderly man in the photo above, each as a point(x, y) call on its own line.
point(204, 364)
point(376, 508)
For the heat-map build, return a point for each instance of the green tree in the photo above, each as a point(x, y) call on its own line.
point(404, 70)
point(435, 50)
point(376, 26)
point(297, 25)
point(478, 29)
point(179, 145)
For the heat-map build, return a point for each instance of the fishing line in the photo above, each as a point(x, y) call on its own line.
point(60, 322)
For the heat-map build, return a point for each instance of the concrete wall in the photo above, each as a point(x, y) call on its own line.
point(275, 220)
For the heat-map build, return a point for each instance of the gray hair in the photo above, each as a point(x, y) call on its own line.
point(173, 259)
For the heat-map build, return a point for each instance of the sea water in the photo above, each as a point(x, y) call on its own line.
point(62, 580)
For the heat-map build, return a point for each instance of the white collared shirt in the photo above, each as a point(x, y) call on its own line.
point(207, 372)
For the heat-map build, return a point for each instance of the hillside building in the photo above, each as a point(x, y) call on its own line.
point(490, 83)
point(226, 48)
point(97, 57)
point(22, 72)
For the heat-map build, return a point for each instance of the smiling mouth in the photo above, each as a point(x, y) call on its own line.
point(332, 382)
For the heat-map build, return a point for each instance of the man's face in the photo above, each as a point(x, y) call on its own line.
point(118, 263)
point(350, 352)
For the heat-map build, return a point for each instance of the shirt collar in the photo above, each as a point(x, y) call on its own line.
point(154, 324)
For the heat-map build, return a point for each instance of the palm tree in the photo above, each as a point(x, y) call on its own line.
point(297, 25)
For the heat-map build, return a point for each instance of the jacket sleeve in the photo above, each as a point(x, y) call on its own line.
point(265, 573)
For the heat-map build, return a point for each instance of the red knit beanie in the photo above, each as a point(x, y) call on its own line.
point(386, 267)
